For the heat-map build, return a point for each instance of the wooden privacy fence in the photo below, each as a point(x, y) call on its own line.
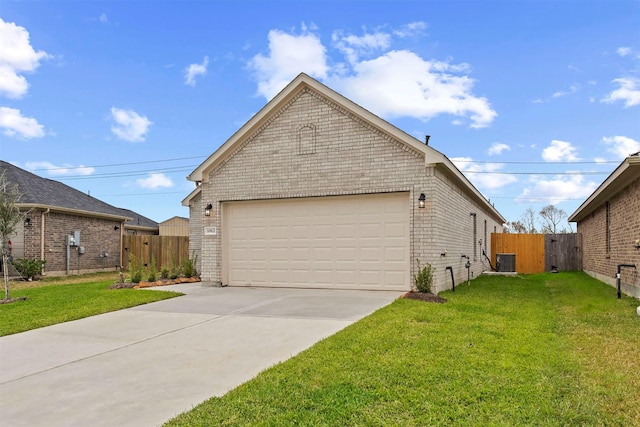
point(537, 253)
point(167, 250)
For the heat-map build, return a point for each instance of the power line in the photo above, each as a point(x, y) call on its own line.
point(536, 163)
point(130, 173)
point(536, 173)
point(118, 164)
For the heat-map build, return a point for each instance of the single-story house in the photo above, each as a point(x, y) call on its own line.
point(609, 221)
point(53, 211)
point(316, 191)
point(175, 226)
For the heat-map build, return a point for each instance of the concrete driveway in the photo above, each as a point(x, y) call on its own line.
point(144, 365)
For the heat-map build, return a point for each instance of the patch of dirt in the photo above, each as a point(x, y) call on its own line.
point(10, 300)
point(424, 296)
point(127, 285)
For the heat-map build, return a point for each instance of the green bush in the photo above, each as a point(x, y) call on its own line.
point(152, 274)
point(164, 272)
point(174, 272)
point(135, 269)
point(29, 268)
point(423, 278)
point(188, 266)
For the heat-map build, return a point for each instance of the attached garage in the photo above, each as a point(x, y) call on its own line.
point(314, 191)
point(345, 242)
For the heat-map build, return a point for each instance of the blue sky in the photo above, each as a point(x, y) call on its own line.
point(536, 102)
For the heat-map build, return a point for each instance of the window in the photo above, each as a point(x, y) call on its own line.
point(607, 208)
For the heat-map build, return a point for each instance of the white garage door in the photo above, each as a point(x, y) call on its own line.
point(347, 242)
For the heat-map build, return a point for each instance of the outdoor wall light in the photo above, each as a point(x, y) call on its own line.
point(27, 222)
point(116, 228)
point(421, 200)
point(207, 209)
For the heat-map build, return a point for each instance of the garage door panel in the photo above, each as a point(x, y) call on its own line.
point(350, 242)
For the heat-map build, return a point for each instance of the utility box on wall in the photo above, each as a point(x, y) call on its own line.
point(506, 263)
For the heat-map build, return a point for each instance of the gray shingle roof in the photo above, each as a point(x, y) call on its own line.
point(36, 190)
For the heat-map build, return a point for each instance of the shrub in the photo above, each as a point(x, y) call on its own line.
point(423, 278)
point(29, 268)
point(174, 272)
point(188, 266)
point(135, 269)
point(152, 274)
point(164, 273)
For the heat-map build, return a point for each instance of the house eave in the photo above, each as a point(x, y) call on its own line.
point(70, 211)
point(622, 176)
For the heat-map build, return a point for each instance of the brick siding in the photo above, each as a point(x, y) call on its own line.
point(624, 219)
point(96, 235)
point(313, 147)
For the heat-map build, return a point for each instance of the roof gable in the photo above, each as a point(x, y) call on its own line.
point(303, 83)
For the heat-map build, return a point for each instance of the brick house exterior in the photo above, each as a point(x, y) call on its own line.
point(53, 210)
point(309, 144)
point(609, 221)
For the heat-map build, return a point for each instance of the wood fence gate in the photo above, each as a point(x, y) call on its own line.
point(537, 253)
point(168, 251)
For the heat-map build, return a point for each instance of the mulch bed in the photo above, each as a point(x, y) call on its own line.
point(161, 282)
point(425, 296)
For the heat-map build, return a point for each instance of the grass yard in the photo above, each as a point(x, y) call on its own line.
point(549, 349)
point(60, 300)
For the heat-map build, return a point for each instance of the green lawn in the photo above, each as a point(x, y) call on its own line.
point(53, 302)
point(549, 349)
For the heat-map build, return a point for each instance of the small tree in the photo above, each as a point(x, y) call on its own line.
point(528, 219)
point(9, 217)
point(551, 216)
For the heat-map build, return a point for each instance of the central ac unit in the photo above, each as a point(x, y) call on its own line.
point(506, 263)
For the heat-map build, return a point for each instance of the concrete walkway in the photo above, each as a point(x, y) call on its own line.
point(144, 365)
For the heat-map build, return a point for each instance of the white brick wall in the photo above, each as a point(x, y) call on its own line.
point(341, 154)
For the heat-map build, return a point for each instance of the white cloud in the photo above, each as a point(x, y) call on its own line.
point(621, 146)
point(17, 56)
point(400, 83)
point(629, 92)
point(557, 189)
point(14, 124)
point(354, 47)
point(289, 55)
point(103, 18)
point(560, 151)
point(623, 51)
point(498, 148)
point(572, 89)
point(395, 83)
point(155, 180)
point(483, 175)
point(195, 70)
point(57, 170)
point(129, 125)
point(411, 29)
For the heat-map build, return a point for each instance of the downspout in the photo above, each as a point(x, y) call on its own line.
point(42, 226)
point(618, 276)
point(453, 283)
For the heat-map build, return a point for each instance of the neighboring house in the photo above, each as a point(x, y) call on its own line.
point(54, 211)
point(316, 191)
point(609, 221)
point(176, 226)
point(138, 225)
